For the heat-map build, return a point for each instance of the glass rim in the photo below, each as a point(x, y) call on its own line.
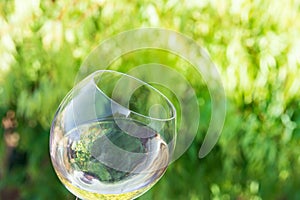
point(169, 103)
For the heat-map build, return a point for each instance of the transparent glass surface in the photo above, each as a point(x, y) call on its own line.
point(112, 137)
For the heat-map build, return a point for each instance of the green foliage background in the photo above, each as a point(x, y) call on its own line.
point(255, 44)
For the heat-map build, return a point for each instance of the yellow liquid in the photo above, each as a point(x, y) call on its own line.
point(86, 195)
point(90, 179)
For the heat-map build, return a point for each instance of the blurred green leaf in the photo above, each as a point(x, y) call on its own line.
point(255, 45)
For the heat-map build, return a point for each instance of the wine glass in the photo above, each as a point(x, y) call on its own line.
point(112, 137)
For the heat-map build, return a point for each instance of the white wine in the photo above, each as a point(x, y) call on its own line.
point(112, 159)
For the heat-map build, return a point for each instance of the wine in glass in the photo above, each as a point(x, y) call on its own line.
point(112, 137)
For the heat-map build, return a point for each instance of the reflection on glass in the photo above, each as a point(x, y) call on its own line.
point(112, 137)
